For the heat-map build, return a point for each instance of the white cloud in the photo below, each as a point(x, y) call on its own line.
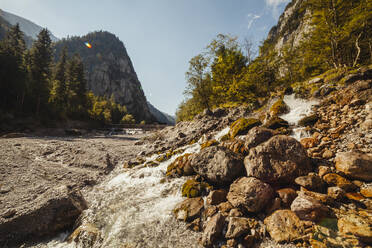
point(251, 19)
point(273, 5)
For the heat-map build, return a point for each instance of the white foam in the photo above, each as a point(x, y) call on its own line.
point(299, 108)
point(221, 133)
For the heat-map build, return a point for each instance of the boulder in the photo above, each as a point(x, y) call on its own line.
point(213, 230)
point(192, 188)
point(180, 167)
point(309, 142)
point(333, 179)
point(257, 136)
point(56, 210)
point(357, 225)
point(308, 208)
point(250, 194)
point(218, 165)
point(215, 197)
point(308, 120)
point(278, 108)
point(189, 209)
point(278, 161)
point(239, 226)
point(276, 122)
point(311, 182)
point(336, 193)
point(242, 126)
point(284, 226)
point(355, 165)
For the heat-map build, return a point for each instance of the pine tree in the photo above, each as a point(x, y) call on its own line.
point(58, 94)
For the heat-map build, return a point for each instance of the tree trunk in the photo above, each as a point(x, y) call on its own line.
point(358, 48)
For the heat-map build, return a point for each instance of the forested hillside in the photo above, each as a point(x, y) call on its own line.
point(312, 37)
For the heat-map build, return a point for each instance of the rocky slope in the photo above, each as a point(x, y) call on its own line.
point(29, 28)
point(161, 117)
point(109, 71)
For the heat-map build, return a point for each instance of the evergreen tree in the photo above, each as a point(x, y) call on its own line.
point(58, 94)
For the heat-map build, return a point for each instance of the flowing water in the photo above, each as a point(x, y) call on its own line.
point(298, 108)
point(133, 208)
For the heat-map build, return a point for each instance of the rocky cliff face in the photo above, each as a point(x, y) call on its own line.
point(109, 71)
point(29, 28)
point(293, 25)
point(161, 117)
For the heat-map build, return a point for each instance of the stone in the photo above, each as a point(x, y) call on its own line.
point(284, 226)
point(231, 243)
point(192, 188)
point(213, 230)
point(195, 225)
point(327, 154)
point(323, 170)
point(250, 194)
point(309, 142)
point(239, 226)
point(355, 165)
point(275, 204)
point(86, 235)
point(308, 208)
point(276, 122)
point(242, 126)
point(225, 207)
point(235, 212)
point(354, 196)
point(215, 197)
point(311, 182)
point(189, 209)
point(218, 165)
point(336, 193)
point(333, 179)
point(308, 120)
point(210, 211)
point(357, 225)
point(57, 210)
point(287, 195)
point(257, 136)
point(180, 167)
point(278, 108)
point(278, 161)
point(366, 190)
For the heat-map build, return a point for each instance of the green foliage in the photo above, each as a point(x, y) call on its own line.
point(128, 119)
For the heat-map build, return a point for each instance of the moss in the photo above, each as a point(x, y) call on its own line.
point(180, 167)
point(308, 120)
point(192, 188)
point(242, 126)
point(152, 164)
point(225, 137)
point(276, 122)
point(209, 143)
point(279, 107)
point(161, 158)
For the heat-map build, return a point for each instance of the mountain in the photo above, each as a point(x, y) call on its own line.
point(109, 71)
point(161, 117)
point(29, 28)
point(5, 26)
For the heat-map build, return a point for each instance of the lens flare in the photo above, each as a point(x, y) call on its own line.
point(87, 44)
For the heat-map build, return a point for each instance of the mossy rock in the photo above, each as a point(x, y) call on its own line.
point(279, 107)
point(152, 164)
point(161, 158)
point(308, 120)
point(225, 137)
point(192, 188)
point(276, 122)
point(209, 143)
point(180, 167)
point(242, 126)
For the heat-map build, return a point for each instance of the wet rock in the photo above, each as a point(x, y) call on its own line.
point(215, 197)
point(284, 226)
point(56, 210)
point(278, 161)
point(86, 235)
point(256, 136)
point(308, 120)
point(311, 182)
point(278, 108)
point(236, 145)
point(250, 193)
point(218, 165)
point(239, 226)
point(357, 225)
point(333, 179)
point(287, 195)
point(355, 165)
point(276, 122)
point(242, 126)
point(180, 167)
point(308, 208)
point(366, 190)
point(192, 188)
point(189, 209)
point(213, 230)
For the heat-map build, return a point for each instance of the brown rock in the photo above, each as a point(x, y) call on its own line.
point(250, 193)
point(257, 136)
point(235, 213)
point(309, 142)
point(287, 195)
point(333, 179)
point(210, 211)
point(356, 225)
point(366, 190)
point(239, 226)
point(308, 208)
point(232, 243)
point(323, 170)
point(354, 196)
point(336, 193)
point(278, 161)
point(355, 165)
point(213, 230)
point(311, 182)
point(225, 207)
point(327, 154)
point(284, 226)
point(189, 209)
point(215, 197)
point(86, 235)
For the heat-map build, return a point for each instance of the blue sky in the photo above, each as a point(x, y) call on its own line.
point(161, 36)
